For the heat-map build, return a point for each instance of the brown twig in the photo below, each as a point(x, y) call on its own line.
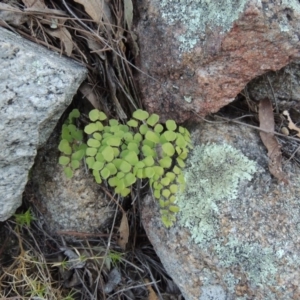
point(81, 234)
point(248, 125)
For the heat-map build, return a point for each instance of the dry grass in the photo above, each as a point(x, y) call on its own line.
point(26, 274)
point(37, 265)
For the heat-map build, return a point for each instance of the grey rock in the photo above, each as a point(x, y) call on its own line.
point(36, 86)
point(282, 87)
point(76, 204)
point(213, 292)
point(239, 244)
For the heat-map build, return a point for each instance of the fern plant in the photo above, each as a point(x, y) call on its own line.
point(123, 153)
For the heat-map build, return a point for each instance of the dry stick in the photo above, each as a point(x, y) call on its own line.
point(40, 251)
point(108, 245)
point(128, 95)
point(153, 280)
point(112, 88)
point(113, 199)
point(273, 93)
point(120, 64)
point(30, 38)
point(44, 12)
point(82, 234)
point(221, 122)
point(6, 25)
point(293, 154)
point(44, 35)
point(133, 265)
point(83, 284)
point(45, 43)
point(121, 82)
point(130, 288)
point(120, 111)
point(134, 90)
point(103, 41)
point(251, 126)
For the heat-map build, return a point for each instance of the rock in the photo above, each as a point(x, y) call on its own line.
point(76, 204)
point(284, 85)
point(237, 233)
point(200, 54)
point(36, 87)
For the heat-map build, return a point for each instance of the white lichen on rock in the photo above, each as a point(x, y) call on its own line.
point(258, 262)
point(292, 4)
point(213, 174)
point(196, 15)
point(291, 9)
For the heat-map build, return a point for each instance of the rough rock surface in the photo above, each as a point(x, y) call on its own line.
point(76, 204)
point(36, 86)
point(283, 85)
point(247, 239)
point(200, 54)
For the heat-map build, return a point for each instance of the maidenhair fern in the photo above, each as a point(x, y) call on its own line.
point(120, 154)
point(71, 145)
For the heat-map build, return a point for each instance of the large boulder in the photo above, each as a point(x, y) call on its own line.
point(36, 87)
point(237, 233)
point(196, 56)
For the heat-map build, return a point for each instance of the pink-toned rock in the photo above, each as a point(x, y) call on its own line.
point(200, 54)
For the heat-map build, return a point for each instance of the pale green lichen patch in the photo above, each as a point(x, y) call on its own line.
point(213, 177)
point(257, 262)
point(213, 174)
point(195, 15)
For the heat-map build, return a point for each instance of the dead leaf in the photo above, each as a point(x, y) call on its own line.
point(96, 9)
point(12, 15)
point(45, 11)
point(72, 281)
point(34, 3)
point(152, 295)
point(291, 125)
point(88, 92)
point(96, 47)
point(267, 123)
point(128, 13)
point(123, 232)
point(107, 16)
point(65, 37)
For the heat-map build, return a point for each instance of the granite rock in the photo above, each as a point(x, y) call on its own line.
point(282, 87)
point(76, 204)
point(36, 87)
point(198, 55)
point(239, 244)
